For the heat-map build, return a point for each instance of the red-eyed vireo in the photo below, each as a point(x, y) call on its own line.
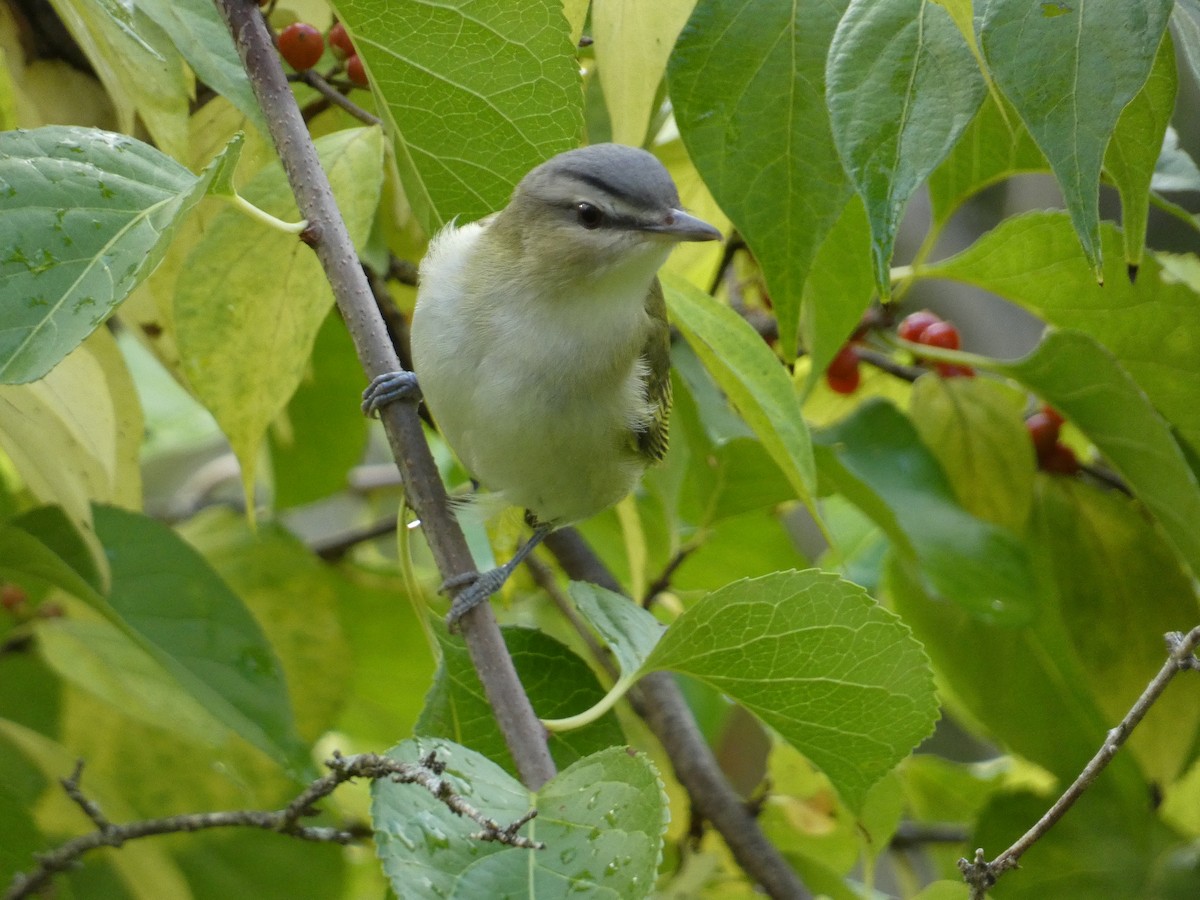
point(540, 339)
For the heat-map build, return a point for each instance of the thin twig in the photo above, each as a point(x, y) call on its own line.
point(980, 874)
point(327, 234)
point(663, 581)
point(427, 773)
point(322, 86)
point(544, 577)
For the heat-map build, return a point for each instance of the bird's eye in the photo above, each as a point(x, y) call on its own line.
point(589, 216)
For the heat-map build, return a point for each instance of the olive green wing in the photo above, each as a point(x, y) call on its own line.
point(652, 440)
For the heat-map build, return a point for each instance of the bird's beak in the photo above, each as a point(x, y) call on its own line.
point(680, 226)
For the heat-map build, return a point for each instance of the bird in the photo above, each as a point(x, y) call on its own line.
point(540, 342)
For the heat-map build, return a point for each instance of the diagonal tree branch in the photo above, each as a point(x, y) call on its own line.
point(1181, 654)
point(427, 773)
point(327, 234)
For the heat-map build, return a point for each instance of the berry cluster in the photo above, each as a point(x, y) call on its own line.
point(301, 45)
point(930, 329)
point(922, 327)
point(1052, 454)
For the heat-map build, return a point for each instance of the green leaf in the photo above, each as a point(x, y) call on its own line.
point(137, 64)
point(557, 682)
point(1133, 152)
point(994, 146)
point(975, 428)
point(268, 567)
point(1069, 70)
point(633, 40)
point(86, 216)
point(838, 290)
point(752, 377)
point(629, 631)
point(320, 436)
point(254, 298)
point(877, 460)
point(1023, 685)
point(473, 96)
point(602, 821)
point(1107, 559)
point(99, 659)
point(903, 85)
point(201, 36)
point(1152, 327)
point(747, 82)
point(1084, 382)
point(166, 598)
point(1186, 18)
point(838, 676)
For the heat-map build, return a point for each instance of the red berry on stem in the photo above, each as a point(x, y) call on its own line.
point(953, 370)
point(913, 325)
point(301, 45)
point(940, 334)
point(355, 71)
point(1053, 414)
point(843, 384)
point(1043, 431)
point(340, 41)
point(1059, 461)
point(843, 375)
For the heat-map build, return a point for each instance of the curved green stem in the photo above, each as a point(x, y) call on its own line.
point(260, 215)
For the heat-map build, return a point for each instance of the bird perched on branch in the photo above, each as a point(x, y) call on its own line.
point(540, 340)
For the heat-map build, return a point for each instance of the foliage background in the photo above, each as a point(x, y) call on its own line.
point(198, 661)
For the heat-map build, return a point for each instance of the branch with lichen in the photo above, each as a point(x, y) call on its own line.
point(287, 821)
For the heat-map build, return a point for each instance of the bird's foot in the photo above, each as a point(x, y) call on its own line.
point(474, 588)
point(388, 388)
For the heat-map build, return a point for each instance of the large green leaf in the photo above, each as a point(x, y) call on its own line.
point(750, 375)
point(1088, 386)
point(1069, 70)
point(837, 675)
point(602, 820)
point(199, 34)
point(633, 40)
point(474, 95)
point(138, 64)
point(86, 216)
point(995, 145)
point(747, 81)
point(1151, 327)
point(254, 298)
point(903, 85)
point(877, 460)
point(166, 598)
point(1108, 558)
point(557, 682)
point(1136, 145)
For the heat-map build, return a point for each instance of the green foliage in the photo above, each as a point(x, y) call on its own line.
point(421, 842)
point(196, 661)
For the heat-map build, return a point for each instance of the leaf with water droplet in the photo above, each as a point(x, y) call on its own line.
point(114, 201)
point(602, 820)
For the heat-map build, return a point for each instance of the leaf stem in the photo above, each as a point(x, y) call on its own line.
point(261, 215)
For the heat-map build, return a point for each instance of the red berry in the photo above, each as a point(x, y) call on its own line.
point(11, 596)
point(940, 334)
point(1059, 461)
point(301, 45)
point(845, 362)
point(953, 370)
point(1043, 431)
point(340, 41)
point(843, 384)
point(913, 325)
point(355, 71)
point(1051, 413)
